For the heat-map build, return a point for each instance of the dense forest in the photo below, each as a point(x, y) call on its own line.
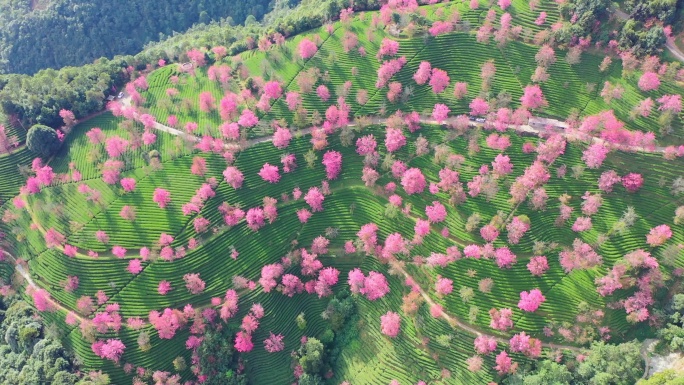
point(28, 100)
point(31, 352)
point(39, 34)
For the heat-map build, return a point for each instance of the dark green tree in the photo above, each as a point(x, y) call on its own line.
point(339, 309)
point(584, 14)
point(666, 377)
point(218, 358)
point(663, 10)
point(309, 379)
point(547, 372)
point(673, 333)
point(611, 364)
point(42, 140)
point(75, 32)
point(311, 355)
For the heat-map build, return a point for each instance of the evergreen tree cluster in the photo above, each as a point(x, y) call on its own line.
point(59, 33)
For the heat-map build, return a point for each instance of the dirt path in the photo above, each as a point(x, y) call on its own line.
point(674, 50)
point(525, 128)
point(455, 322)
point(29, 280)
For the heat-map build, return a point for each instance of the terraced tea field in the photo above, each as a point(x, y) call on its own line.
point(371, 188)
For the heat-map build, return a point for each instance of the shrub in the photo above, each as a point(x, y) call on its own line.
point(42, 140)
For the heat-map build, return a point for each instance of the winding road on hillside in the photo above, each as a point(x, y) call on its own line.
point(524, 129)
point(424, 119)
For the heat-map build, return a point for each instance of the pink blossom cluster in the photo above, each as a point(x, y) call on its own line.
point(388, 69)
point(538, 265)
point(390, 323)
point(658, 235)
point(436, 212)
point(530, 301)
point(485, 344)
point(440, 28)
point(307, 48)
point(388, 47)
point(374, 286)
point(522, 343)
point(111, 349)
point(581, 256)
point(413, 181)
point(517, 228)
point(501, 319)
point(332, 160)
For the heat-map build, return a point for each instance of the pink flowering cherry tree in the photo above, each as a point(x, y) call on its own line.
point(444, 286)
point(633, 182)
point(659, 235)
point(530, 301)
point(314, 198)
point(538, 265)
point(374, 286)
point(439, 80)
point(274, 343)
point(485, 344)
point(501, 319)
point(504, 364)
point(423, 73)
point(166, 323)
point(413, 181)
point(436, 212)
point(111, 349)
point(394, 139)
point(307, 49)
point(440, 112)
point(281, 138)
point(533, 98)
point(243, 342)
point(479, 107)
point(269, 173)
point(649, 81)
point(332, 160)
point(390, 323)
point(161, 197)
point(233, 176)
point(388, 47)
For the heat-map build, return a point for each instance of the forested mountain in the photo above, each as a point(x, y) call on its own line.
point(38, 98)
point(37, 34)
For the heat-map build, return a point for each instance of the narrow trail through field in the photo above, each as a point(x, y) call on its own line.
point(29, 280)
point(455, 322)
